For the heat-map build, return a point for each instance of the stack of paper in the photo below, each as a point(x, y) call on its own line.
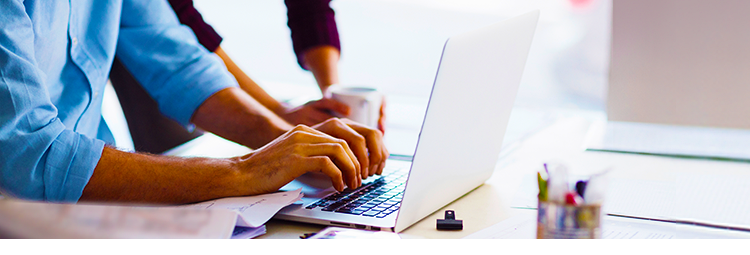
point(21, 219)
point(247, 233)
point(212, 219)
point(253, 211)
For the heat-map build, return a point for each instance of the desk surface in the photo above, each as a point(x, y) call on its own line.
point(490, 203)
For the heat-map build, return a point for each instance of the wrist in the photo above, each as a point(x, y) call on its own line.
point(281, 109)
point(322, 61)
point(229, 179)
point(225, 179)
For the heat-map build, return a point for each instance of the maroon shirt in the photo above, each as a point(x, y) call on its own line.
point(311, 21)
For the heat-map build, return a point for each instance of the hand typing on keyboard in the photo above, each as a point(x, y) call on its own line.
point(294, 153)
point(345, 151)
point(366, 143)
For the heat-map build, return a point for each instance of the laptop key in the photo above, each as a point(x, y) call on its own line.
point(370, 213)
point(358, 211)
point(344, 210)
point(382, 207)
point(376, 209)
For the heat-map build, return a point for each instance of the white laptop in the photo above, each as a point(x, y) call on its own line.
point(459, 143)
point(679, 79)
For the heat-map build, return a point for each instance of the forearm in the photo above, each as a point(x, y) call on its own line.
point(233, 114)
point(248, 85)
point(322, 61)
point(149, 179)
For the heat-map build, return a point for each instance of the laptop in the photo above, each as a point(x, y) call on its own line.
point(678, 81)
point(459, 142)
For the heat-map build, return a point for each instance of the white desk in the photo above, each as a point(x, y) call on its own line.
point(490, 203)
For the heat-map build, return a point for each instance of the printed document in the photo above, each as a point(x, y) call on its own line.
point(22, 219)
point(253, 211)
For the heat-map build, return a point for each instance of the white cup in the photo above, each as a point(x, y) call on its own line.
point(364, 103)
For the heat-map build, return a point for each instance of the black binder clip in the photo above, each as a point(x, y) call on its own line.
point(450, 222)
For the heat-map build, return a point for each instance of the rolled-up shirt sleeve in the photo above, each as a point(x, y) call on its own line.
point(312, 24)
point(166, 58)
point(39, 158)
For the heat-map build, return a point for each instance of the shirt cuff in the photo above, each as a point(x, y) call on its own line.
point(70, 162)
point(195, 83)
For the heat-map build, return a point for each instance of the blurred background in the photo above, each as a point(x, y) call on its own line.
point(395, 46)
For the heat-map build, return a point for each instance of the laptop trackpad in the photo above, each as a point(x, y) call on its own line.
point(314, 185)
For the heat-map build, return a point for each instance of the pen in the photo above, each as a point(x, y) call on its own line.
point(571, 198)
point(542, 187)
point(581, 187)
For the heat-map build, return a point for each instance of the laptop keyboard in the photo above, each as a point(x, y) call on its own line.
point(377, 198)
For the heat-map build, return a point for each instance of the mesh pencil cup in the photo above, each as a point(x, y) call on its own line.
point(556, 220)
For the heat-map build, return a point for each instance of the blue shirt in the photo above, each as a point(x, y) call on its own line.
point(55, 58)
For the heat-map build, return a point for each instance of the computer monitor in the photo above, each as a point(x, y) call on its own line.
point(679, 81)
point(680, 62)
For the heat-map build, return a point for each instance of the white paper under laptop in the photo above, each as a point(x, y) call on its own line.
point(460, 140)
point(677, 65)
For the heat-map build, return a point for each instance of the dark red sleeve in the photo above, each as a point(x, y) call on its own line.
point(312, 23)
point(189, 16)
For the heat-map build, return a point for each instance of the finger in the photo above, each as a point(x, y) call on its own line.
point(375, 145)
point(328, 104)
point(304, 134)
point(325, 165)
point(337, 153)
point(382, 166)
point(357, 143)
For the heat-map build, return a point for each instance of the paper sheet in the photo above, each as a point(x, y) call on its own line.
point(712, 199)
point(523, 226)
point(248, 233)
point(689, 198)
point(350, 233)
point(254, 211)
point(641, 198)
point(670, 140)
point(22, 219)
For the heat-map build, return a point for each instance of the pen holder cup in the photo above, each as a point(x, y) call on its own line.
point(561, 221)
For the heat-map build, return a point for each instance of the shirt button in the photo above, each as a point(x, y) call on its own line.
point(75, 40)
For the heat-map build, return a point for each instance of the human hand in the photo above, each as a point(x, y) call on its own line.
point(366, 143)
point(294, 153)
point(315, 112)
